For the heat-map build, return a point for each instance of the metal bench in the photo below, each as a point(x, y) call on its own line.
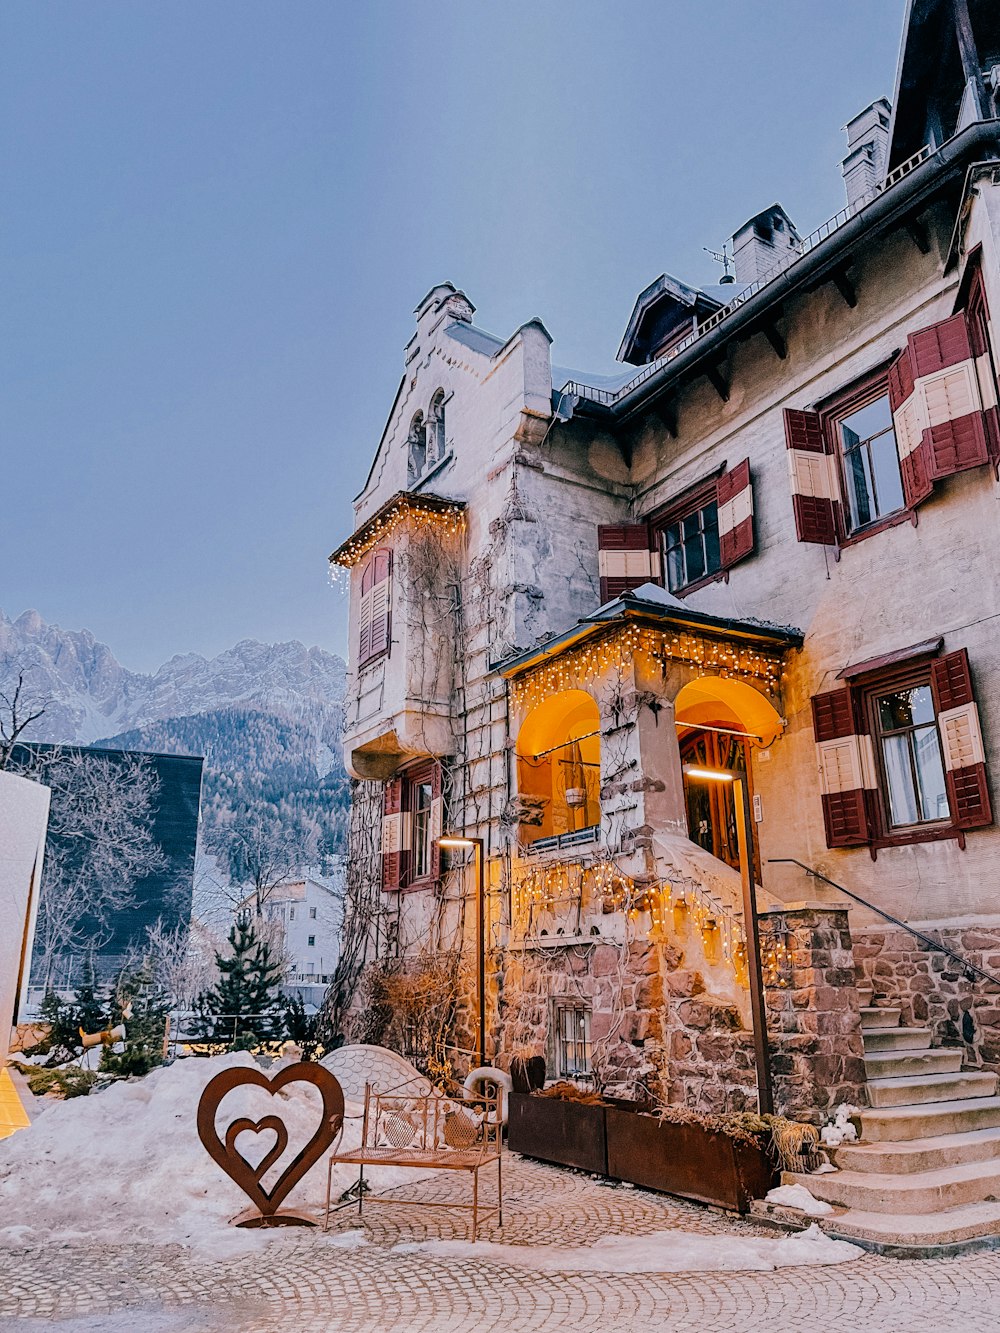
point(428, 1132)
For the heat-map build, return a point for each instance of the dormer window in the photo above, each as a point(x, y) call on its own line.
point(435, 433)
point(417, 448)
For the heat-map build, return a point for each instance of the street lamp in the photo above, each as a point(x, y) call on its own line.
point(476, 844)
point(744, 838)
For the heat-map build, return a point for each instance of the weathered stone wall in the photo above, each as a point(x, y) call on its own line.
point(933, 991)
point(813, 1015)
point(656, 1029)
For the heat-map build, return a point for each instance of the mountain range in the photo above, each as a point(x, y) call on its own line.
point(266, 717)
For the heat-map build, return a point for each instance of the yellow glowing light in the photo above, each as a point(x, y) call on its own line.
point(710, 774)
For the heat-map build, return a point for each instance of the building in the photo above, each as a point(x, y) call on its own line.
point(309, 915)
point(163, 895)
point(769, 546)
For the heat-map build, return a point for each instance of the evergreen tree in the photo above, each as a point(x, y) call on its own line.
point(142, 1005)
point(244, 1007)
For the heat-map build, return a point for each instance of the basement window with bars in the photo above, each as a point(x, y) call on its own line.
point(571, 1039)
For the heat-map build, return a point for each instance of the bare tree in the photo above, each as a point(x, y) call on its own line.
point(259, 855)
point(183, 960)
point(100, 844)
point(19, 707)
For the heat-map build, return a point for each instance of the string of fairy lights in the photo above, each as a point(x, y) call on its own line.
point(671, 909)
point(447, 518)
point(619, 649)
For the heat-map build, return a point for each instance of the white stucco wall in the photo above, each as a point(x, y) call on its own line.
point(24, 813)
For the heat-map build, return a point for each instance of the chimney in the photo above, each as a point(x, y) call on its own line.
point(764, 244)
point(863, 168)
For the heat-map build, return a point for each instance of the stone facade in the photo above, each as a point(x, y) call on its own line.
point(519, 606)
point(934, 991)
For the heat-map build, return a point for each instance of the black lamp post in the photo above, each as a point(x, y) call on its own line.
point(744, 837)
point(476, 844)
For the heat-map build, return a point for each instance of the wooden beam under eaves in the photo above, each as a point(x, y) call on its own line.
point(773, 336)
point(716, 377)
point(666, 410)
point(844, 285)
point(917, 233)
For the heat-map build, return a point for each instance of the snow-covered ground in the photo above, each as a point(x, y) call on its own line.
point(126, 1164)
point(661, 1252)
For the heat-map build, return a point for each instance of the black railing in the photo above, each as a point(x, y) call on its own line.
point(963, 963)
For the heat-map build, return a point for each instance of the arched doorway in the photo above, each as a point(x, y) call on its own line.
point(559, 766)
point(719, 721)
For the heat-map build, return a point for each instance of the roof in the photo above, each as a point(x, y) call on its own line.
point(664, 291)
point(478, 339)
point(822, 255)
point(388, 516)
point(653, 606)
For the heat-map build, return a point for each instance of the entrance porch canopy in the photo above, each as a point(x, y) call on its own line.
point(650, 619)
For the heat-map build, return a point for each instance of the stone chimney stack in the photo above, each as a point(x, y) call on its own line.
point(867, 144)
point(764, 244)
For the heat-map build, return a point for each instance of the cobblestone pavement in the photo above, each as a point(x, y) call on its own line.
point(297, 1280)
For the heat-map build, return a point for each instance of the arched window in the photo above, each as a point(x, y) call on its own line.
point(435, 421)
point(417, 446)
point(559, 766)
point(375, 616)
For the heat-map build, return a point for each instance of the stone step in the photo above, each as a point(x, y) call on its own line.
point(896, 1039)
point(921, 1192)
point(906, 1235)
point(902, 1124)
point(865, 995)
point(880, 1018)
point(908, 1064)
point(930, 1088)
point(977, 1145)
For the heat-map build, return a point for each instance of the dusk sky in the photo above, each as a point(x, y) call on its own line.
point(219, 218)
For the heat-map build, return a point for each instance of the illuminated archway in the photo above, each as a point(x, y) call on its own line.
point(719, 721)
point(559, 766)
point(720, 701)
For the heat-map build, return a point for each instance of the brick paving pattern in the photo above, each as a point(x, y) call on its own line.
point(299, 1281)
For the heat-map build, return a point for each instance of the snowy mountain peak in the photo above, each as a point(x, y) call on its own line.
point(91, 695)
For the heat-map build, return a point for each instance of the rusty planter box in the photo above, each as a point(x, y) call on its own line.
point(567, 1133)
point(688, 1160)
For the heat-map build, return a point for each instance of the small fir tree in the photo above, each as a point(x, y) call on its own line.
point(142, 1005)
point(302, 1028)
point(244, 1007)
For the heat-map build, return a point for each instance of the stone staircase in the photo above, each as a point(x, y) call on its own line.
point(925, 1177)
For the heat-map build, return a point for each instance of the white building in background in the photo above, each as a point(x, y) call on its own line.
point(309, 913)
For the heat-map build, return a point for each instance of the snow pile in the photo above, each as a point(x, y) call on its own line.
point(662, 1252)
point(797, 1196)
point(126, 1164)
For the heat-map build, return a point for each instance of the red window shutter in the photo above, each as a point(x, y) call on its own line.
point(961, 741)
point(734, 497)
point(978, 316)
point(814, 498)
point(847, 771)
point(907, 424)
point(392, 835)
point(375, 614)
point(940, 426)
point(625, 558)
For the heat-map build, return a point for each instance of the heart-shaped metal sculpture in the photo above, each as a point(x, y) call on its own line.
point(266, 1203)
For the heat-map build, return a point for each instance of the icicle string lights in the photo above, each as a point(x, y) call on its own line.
point(567, 887)
point(585, 664)
point(448, 519)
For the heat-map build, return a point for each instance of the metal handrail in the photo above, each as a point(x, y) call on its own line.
point(917, 934)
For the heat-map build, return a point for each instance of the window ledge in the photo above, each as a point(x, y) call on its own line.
point(432, 472)
point(561, 841)
point(912, 837)
point(890, 521)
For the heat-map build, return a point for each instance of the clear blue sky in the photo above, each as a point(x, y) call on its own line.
point(219, 217)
